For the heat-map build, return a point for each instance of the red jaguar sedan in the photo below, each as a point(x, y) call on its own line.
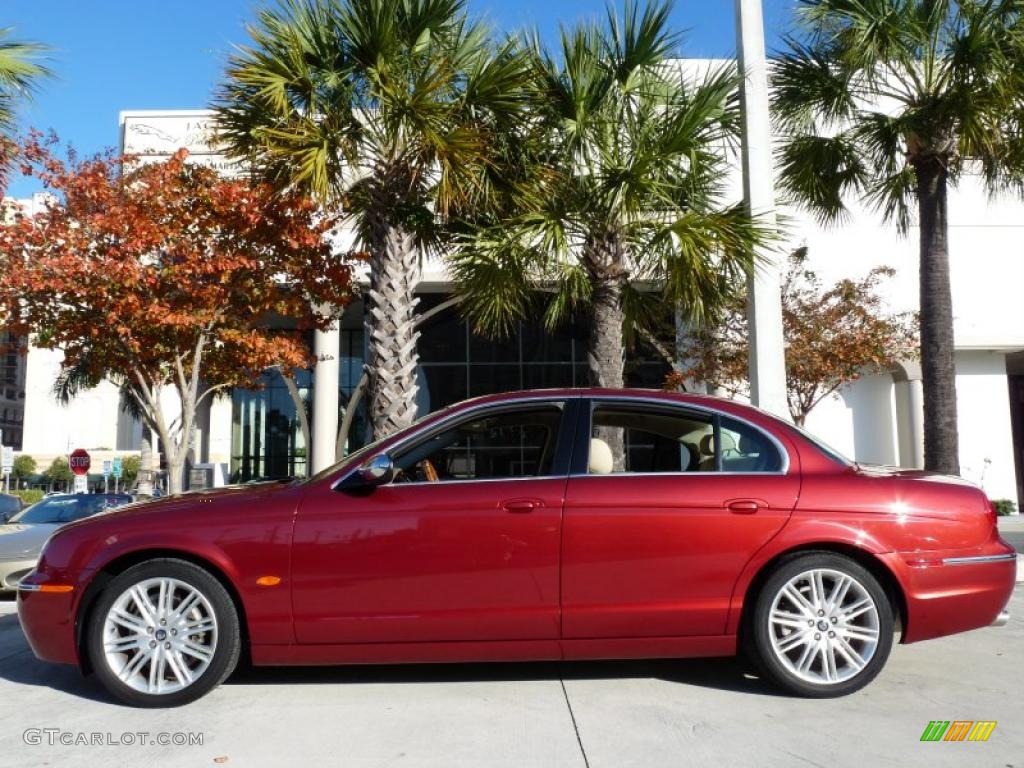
point(561, 524)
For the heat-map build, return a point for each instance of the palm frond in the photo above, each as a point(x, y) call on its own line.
point(572, 290)
point(819, 172)
point(21, 69)
point(809, 89)
point(493, 283)
point(706, 255)
point(867, 89)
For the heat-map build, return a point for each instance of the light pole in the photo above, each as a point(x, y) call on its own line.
point(764, 303)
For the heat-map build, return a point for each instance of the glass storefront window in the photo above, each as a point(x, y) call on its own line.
point(266, 436)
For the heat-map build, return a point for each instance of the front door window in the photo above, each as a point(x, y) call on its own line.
point(509, 445)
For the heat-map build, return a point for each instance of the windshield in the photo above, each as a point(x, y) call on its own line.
point(366, 450)
point(354, 456)
point(57, 510)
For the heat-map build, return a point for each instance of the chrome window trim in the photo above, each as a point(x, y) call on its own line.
point(695, 473)
point(976, 559)
point(446, 483)
point(703, 409)
point(557, 399)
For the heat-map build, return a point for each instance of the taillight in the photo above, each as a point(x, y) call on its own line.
point(992, 514)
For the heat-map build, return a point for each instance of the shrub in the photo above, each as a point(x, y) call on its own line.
point(30, 496)
point(1004, 506)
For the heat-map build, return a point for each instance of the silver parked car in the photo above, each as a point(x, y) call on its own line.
point(23, 536)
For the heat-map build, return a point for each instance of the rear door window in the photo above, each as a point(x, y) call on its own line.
point(645, 439)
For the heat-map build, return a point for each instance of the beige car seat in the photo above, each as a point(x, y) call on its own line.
point(601, 460)
point(707, 449)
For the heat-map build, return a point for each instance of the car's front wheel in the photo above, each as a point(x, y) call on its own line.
point(163, 633)
point(822, 625)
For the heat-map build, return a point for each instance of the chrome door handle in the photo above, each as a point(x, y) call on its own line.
point(743, 506)
point(519, 506)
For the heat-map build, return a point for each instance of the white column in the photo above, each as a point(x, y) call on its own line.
point(220, 430)
point(909, 413)
point(764, 305)
point(915, 407)
point(327, 347)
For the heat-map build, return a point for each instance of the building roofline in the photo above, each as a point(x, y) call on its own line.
point(128, 113)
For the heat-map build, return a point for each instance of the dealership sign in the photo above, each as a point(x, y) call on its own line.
point(151, 137)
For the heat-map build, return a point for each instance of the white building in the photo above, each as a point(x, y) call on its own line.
point(877, 419)
point(13, 364)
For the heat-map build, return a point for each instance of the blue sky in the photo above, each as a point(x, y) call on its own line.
point(111, 55)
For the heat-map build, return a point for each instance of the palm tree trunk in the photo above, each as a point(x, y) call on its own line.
point(606, 351)
point(606, 354)
point(941, 452)
point(391, 329)
point(341, 445)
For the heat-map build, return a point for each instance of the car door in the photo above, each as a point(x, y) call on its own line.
point(662, 515)
point(462, 545)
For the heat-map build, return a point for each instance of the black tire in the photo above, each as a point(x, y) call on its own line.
point(761, 632)
point(228, 636)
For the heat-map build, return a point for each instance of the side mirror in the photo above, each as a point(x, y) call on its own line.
point(377, 469)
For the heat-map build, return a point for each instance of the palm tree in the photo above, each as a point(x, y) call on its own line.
point(386, 109)
point(623, 212)
point(20, 71)
point(74, 380)
point(892, 101)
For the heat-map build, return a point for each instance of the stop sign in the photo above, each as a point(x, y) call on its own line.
point(79, 461)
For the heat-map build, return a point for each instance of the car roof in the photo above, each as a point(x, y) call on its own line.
point(704, 401)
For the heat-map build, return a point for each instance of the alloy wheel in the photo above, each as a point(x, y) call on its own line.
point(160, 635)
point(824, 626)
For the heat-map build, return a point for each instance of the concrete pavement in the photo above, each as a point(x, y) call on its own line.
point(1011, 528)
point(590, 715)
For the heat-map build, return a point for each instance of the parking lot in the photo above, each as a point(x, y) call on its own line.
point(594, 715)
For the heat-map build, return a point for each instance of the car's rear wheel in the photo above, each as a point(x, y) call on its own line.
point(822, 625)
point(163, 633)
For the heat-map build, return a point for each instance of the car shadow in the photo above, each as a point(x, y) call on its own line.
point(18, 665)
point(727, 674)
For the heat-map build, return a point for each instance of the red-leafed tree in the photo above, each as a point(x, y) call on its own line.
point(165, 278)
point(833, 336)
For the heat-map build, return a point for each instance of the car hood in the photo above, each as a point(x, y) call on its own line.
point(235, 495)
point(19, 541)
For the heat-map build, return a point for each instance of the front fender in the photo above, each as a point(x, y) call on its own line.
point(265, 609)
